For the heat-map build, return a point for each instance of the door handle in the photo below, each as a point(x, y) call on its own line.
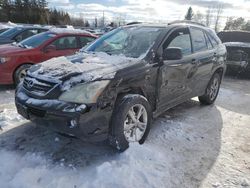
point(194, 62)
point(175, 65)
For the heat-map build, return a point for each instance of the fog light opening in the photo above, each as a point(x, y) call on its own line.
point(73, 124)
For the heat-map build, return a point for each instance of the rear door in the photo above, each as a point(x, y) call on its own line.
point(175, 75)
point(65, 45)
point(204, 56)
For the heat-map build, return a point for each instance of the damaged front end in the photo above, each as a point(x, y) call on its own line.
point(38, 104)
point(80, 108)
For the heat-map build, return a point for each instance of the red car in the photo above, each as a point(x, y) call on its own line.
point(16, 58)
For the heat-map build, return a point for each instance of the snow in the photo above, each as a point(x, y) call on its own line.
point(189, 146)
point(69, 30)
point(10, 116)
point(85, 66)
point(7, 25)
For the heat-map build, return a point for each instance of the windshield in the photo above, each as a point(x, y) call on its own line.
point(131, 42)
point(36, 40)
point(10, 32)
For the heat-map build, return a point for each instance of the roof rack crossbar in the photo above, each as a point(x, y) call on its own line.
point(186, 21)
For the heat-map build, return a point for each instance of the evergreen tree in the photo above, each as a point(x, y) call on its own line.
point(190, 14)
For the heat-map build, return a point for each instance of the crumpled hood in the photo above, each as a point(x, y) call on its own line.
point(82, 67)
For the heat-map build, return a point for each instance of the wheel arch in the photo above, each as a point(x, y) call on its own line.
point(220, 71)
point(14, 72)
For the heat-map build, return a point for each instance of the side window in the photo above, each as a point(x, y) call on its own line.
point(25, 34)
point(180, 39)
point(213, 41)
point(65, 43)
point(85, 40)
point(198, 39)
point(209, 44)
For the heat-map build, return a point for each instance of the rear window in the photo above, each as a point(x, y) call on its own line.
point(209, 43)
point(85, 40)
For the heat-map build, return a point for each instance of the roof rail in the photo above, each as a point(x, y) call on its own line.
point(186, 21)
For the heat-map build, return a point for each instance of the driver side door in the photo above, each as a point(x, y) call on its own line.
point(174, 75)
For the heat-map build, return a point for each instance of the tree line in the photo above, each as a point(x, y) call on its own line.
point(35, 12)
point(212, 18)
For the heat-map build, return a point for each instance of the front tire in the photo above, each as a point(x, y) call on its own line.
point(212, 90)
point(20, 73)
point(131, 121)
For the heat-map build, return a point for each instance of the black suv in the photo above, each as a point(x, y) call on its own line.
point(115, 86)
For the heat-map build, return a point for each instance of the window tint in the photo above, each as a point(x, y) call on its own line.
point(37, 40)
point(213, 41)
point(85, 40)
point(26, 34)
point(209, 44)
point(65, 43)
point(179, 39)
point(198, 39)
point(11, 32)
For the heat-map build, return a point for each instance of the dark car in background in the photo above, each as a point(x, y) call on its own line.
point(115, 86)
point(18, 34)
point(3, 30)
point(238, 49)
point(16, 58)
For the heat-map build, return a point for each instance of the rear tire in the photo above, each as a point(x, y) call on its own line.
point(20, 73)
point(131, 121)
point(212, 90)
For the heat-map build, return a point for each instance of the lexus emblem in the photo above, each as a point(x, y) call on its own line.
point(30, 83)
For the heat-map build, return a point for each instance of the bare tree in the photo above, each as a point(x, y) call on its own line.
point(208, 16)
point(218, 11)
point(199, 17)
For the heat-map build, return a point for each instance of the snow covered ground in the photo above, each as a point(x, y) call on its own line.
point(188, 146)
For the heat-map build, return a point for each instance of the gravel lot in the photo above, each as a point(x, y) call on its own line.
point(188, 146)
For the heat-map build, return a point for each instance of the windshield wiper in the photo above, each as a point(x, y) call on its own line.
point(109, 51)
point(20, 45)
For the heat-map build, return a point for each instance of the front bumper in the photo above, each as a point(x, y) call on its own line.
point(5, 76)
point(85, 122)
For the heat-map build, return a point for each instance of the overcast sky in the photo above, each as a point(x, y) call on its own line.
point(145, 10)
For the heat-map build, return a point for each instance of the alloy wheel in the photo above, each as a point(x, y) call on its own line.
point(135, 123)
point(214, 88)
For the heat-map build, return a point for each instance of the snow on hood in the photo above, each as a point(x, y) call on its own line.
point(82, 67)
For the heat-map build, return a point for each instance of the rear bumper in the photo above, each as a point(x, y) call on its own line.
point(238, 66)
point(85, 122)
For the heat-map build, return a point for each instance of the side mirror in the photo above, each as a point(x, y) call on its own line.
point(49, 48)
point(172, 54)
